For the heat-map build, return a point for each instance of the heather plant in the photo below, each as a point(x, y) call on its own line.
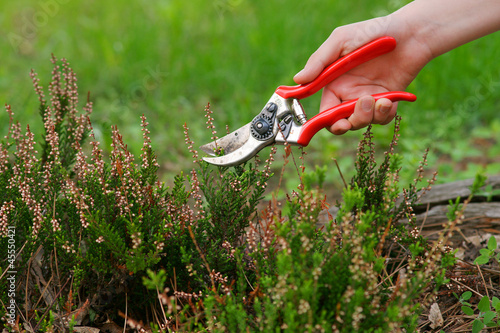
point(362, 271)
point(93, 236)
point(89, 227)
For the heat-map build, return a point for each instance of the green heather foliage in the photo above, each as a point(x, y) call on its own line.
point(100, 237)
point(362, 272)
point(91, 227)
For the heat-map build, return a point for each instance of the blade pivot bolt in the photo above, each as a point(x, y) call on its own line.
point(262, 127)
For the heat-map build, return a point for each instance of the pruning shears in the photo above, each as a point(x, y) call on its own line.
point(283, 119)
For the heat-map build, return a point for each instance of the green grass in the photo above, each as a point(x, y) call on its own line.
point(168, 59)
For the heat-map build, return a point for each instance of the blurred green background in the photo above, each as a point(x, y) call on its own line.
point(168, 58)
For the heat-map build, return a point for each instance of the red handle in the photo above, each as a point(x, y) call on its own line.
point(366, 52)
point(344, 110)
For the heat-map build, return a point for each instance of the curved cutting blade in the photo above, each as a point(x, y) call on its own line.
point(240, 155)
point(230, 142)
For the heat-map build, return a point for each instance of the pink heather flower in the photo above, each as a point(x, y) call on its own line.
point(7, 207)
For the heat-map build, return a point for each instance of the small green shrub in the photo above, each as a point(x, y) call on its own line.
point(361, 272)
point(89, 227)
point(485, 317)
point(488, 308)
point(91, 237)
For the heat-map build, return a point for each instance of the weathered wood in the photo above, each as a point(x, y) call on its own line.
point(480, 216)
point(477, 215)
point(441, 194)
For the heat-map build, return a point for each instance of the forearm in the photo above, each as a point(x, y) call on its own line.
point(423, 29)
point(443, 25)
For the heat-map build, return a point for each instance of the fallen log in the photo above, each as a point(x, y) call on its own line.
point(481, 215)
point(441, 194)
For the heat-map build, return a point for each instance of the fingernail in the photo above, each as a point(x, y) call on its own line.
point(384, 109)
point(367, 104)
point(299, 73)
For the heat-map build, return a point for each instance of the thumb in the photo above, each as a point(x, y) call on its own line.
point(326, 54)
point(310, 71)
point(340, 42)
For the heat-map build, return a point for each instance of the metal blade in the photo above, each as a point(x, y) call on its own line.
point(240, 155)
point(230, 142)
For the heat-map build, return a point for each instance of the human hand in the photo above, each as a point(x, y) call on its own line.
point(392, 71)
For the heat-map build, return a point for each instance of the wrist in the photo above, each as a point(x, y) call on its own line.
point(415, 30)
point(442, 25)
